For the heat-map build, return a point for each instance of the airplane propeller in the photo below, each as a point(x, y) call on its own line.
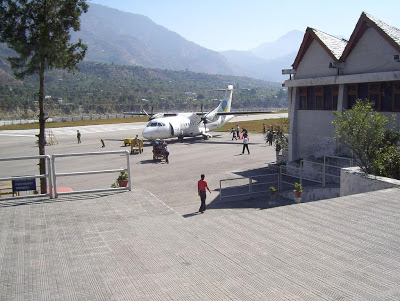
point(204, 119)
point(149, 115)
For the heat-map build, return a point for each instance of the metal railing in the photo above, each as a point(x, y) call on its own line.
point(286, 177)
point(248, 186)
point(22, 177)
point(67, 174)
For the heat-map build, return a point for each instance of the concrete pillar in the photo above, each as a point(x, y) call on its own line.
point(341, 99)
point(293, 107)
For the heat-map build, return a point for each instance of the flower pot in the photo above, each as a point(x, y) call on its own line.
point(122, 183)
point(272, 192)
point(297, 193)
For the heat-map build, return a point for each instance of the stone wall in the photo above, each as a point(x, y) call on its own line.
point(353, 181)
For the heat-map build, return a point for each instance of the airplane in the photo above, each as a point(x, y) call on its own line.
point(169, 125)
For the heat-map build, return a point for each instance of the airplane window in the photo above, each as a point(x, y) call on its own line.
point(153, 124)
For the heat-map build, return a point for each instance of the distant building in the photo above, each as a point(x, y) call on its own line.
point(330, 73)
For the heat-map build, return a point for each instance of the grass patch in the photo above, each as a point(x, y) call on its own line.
point(49, 125)
point(255, 126)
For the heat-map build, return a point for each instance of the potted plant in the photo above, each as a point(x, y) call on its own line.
point(272, 190)
point(298, 189)
point(122, 179)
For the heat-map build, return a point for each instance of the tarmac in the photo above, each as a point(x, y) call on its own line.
point(152, 244)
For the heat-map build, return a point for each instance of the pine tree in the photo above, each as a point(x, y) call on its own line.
point(39, 33)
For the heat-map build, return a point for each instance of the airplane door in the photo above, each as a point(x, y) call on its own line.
point(171, 129)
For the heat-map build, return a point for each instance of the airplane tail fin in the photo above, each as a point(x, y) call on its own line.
point(225, 104)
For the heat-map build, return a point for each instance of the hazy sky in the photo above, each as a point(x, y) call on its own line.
point(243, 25)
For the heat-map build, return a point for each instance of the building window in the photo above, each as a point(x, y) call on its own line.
point(331, 97)
point(303, 98)
point(352, 95)
point(384, 96)
point(318, 97)
point(374, 95)
point(387, 98)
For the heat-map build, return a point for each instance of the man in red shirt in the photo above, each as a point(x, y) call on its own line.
point(201, 187)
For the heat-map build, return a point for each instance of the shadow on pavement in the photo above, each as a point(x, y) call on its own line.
point(60, 199)
point(263, 202)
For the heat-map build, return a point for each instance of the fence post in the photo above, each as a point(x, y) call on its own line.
point(301, 172)
point(280, 179)
point(50, 176)
point(324, 173)
point(53, 171)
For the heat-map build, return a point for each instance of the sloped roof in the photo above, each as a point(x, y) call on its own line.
point(339, 49)
point(388, 32)
point(333, 46)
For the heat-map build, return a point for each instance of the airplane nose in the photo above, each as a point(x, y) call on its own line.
point(145, 134)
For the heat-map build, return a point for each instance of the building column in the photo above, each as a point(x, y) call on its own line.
point(341, 105)
point(292, 97)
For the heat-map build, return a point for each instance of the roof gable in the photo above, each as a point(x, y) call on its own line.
point(389, 33)
point(332, 45)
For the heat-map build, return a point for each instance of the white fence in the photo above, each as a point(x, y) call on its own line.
point(23, 179)
point(68, 174)
point(52, 176)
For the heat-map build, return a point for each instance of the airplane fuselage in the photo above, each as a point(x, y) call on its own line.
point(182, 125)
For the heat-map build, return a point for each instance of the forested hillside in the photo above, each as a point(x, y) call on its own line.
point(105, 88)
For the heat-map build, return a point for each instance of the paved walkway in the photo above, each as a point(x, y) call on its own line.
point(132, 246)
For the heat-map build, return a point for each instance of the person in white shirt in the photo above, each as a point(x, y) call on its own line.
point(245, 143)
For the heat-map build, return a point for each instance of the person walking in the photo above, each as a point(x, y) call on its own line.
point(277, 150)
point(270, 136)
point(245, 143)
point(78, 136)
point(233, 134)
point(201, 188)
point(165, 152)
point(237, 130)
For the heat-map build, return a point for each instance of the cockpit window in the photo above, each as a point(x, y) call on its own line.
point(155, 124)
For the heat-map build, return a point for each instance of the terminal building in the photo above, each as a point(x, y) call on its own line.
point(330, 73)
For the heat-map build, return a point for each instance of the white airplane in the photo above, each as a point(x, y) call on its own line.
point(170, 125)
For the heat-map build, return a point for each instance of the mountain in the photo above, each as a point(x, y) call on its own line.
point(124, 38)
point(267, 60)
point(282, 47)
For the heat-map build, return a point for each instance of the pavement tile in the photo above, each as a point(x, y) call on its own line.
point(133, 246)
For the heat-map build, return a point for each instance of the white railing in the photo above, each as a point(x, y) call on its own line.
point(68, 174)
point(247, 186)
point(28, 177)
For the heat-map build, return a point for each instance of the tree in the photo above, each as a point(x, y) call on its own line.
point(39, 33)
point(365, 133)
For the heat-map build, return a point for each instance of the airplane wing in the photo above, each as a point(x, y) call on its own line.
point(151, 115)
point(243, 113)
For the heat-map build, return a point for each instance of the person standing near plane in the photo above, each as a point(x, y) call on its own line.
point(245, 143)
point(237, 130)
point(78, 136)
point(165, 152)
point(201, 188)
point(233, 134)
